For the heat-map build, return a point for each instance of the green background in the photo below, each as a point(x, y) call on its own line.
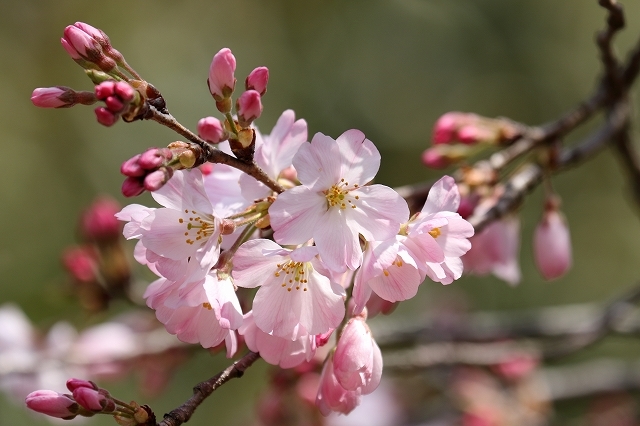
point(389, 68)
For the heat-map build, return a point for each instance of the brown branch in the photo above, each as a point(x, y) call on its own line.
point(202, 390)
point(206, 152)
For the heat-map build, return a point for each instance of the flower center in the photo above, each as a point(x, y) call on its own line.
point(338, 195)
point(199, 227)
point(293, 275)
point(435, 232)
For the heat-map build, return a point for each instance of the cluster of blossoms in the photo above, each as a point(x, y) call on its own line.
point(330, 228)
point(311, 230)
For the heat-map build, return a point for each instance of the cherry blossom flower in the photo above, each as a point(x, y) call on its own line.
point(277, 350)
point(203, 311)
point(185, 228)
point(333, 206)
point(292, 292)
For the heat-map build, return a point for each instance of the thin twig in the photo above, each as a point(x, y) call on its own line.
point(202, 390)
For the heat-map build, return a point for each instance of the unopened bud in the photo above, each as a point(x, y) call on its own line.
point(552, 244)
point(102, 39)
point(97, 76)
point(153, 158)
point(132, 187)
point(52, 97)
point(81, 263)
point(211, 130)
point(73, 384)
point(257, 80)
point(105, 117)
point(52, 404)
point(156, 180)
point(99, 221)
point(249, 107)
point(132, 168)
point(221, 74)
point(434, 159)
point(444, 131)
point(94, 400)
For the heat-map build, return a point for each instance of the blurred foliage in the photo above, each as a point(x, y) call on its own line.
point(389, 68)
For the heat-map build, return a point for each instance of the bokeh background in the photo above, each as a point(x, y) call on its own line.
point(389, 68)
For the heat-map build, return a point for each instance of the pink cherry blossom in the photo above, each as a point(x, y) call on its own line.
point(274, 153)
point(292, 293)
point(495, 250)
point(334, 206)
point(552, 245)
point(185, 228)
point(357, 361)
point(276, 350)
point(204, 311)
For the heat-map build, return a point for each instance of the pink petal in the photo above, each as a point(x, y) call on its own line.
point(361, 159)
point(319, 163)
point(295, 215)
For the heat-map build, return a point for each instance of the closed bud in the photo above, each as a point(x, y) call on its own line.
point(156, 180)
point(73, 384)
point(99, 222)
point(257, 80)
point(153, 158)
point(552, 244)
point(249, 107)
point(81, 263)
point(52, 404)
point(105, 117)
point(132, 186)
point(53, 97)
point(93, 400)
point(211, 130)
point(221, 80)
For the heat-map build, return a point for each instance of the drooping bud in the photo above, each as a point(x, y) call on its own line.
point(105, 117)
point(52, 404)
point(221, 80)
point(131, 167)
point(132, 186)
point(211, 130)
point(257, 80)
point(552, 242)
point(156, 180)
point(249, 107)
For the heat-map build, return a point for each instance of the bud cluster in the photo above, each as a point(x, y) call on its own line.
point(120, 100)
point(86, 400)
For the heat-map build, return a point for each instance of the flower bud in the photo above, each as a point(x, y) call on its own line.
point(105, 117)
point(433, 159)
point(444, 131)
point(53, 97)
point(73, 384)
point(99, 221)
point(81, 263)
point(249, 107)
point(52, 404)
point(132, 187)
point(221, 74)
point(211, 130)
point(552, 244)
point(257, 80)
point(153, 158)
point(93, 400)
point(132, 168)
point(156, 180)
point(102, 39)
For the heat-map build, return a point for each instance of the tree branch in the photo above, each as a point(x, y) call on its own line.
point(202, 390)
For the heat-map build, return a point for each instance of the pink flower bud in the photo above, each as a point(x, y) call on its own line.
point(93, 400)
point(153, 158)
point(552, 245)
point(80, 263)
point(105, 117)
point(52, 404)
point(70, 50)
point(249, 107)
point(257, 80)
point(114, 104)
point(85, 46)
point(73, 384)
point(156, 180)
point(211, 130)
point(102, 39)
point(99, 221)
point(105, 89)
point(445, 128)
point(52, 97)
point(221, 74)
point(132, 187)
point(474, 133)
point(357, 361)
point(432, 158)
point(132, 168)
point(332, 396)
point(124, 91)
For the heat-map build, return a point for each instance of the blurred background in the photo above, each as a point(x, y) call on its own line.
point(389, 68)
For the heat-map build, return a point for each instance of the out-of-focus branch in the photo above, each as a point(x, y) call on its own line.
point(202, 390)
